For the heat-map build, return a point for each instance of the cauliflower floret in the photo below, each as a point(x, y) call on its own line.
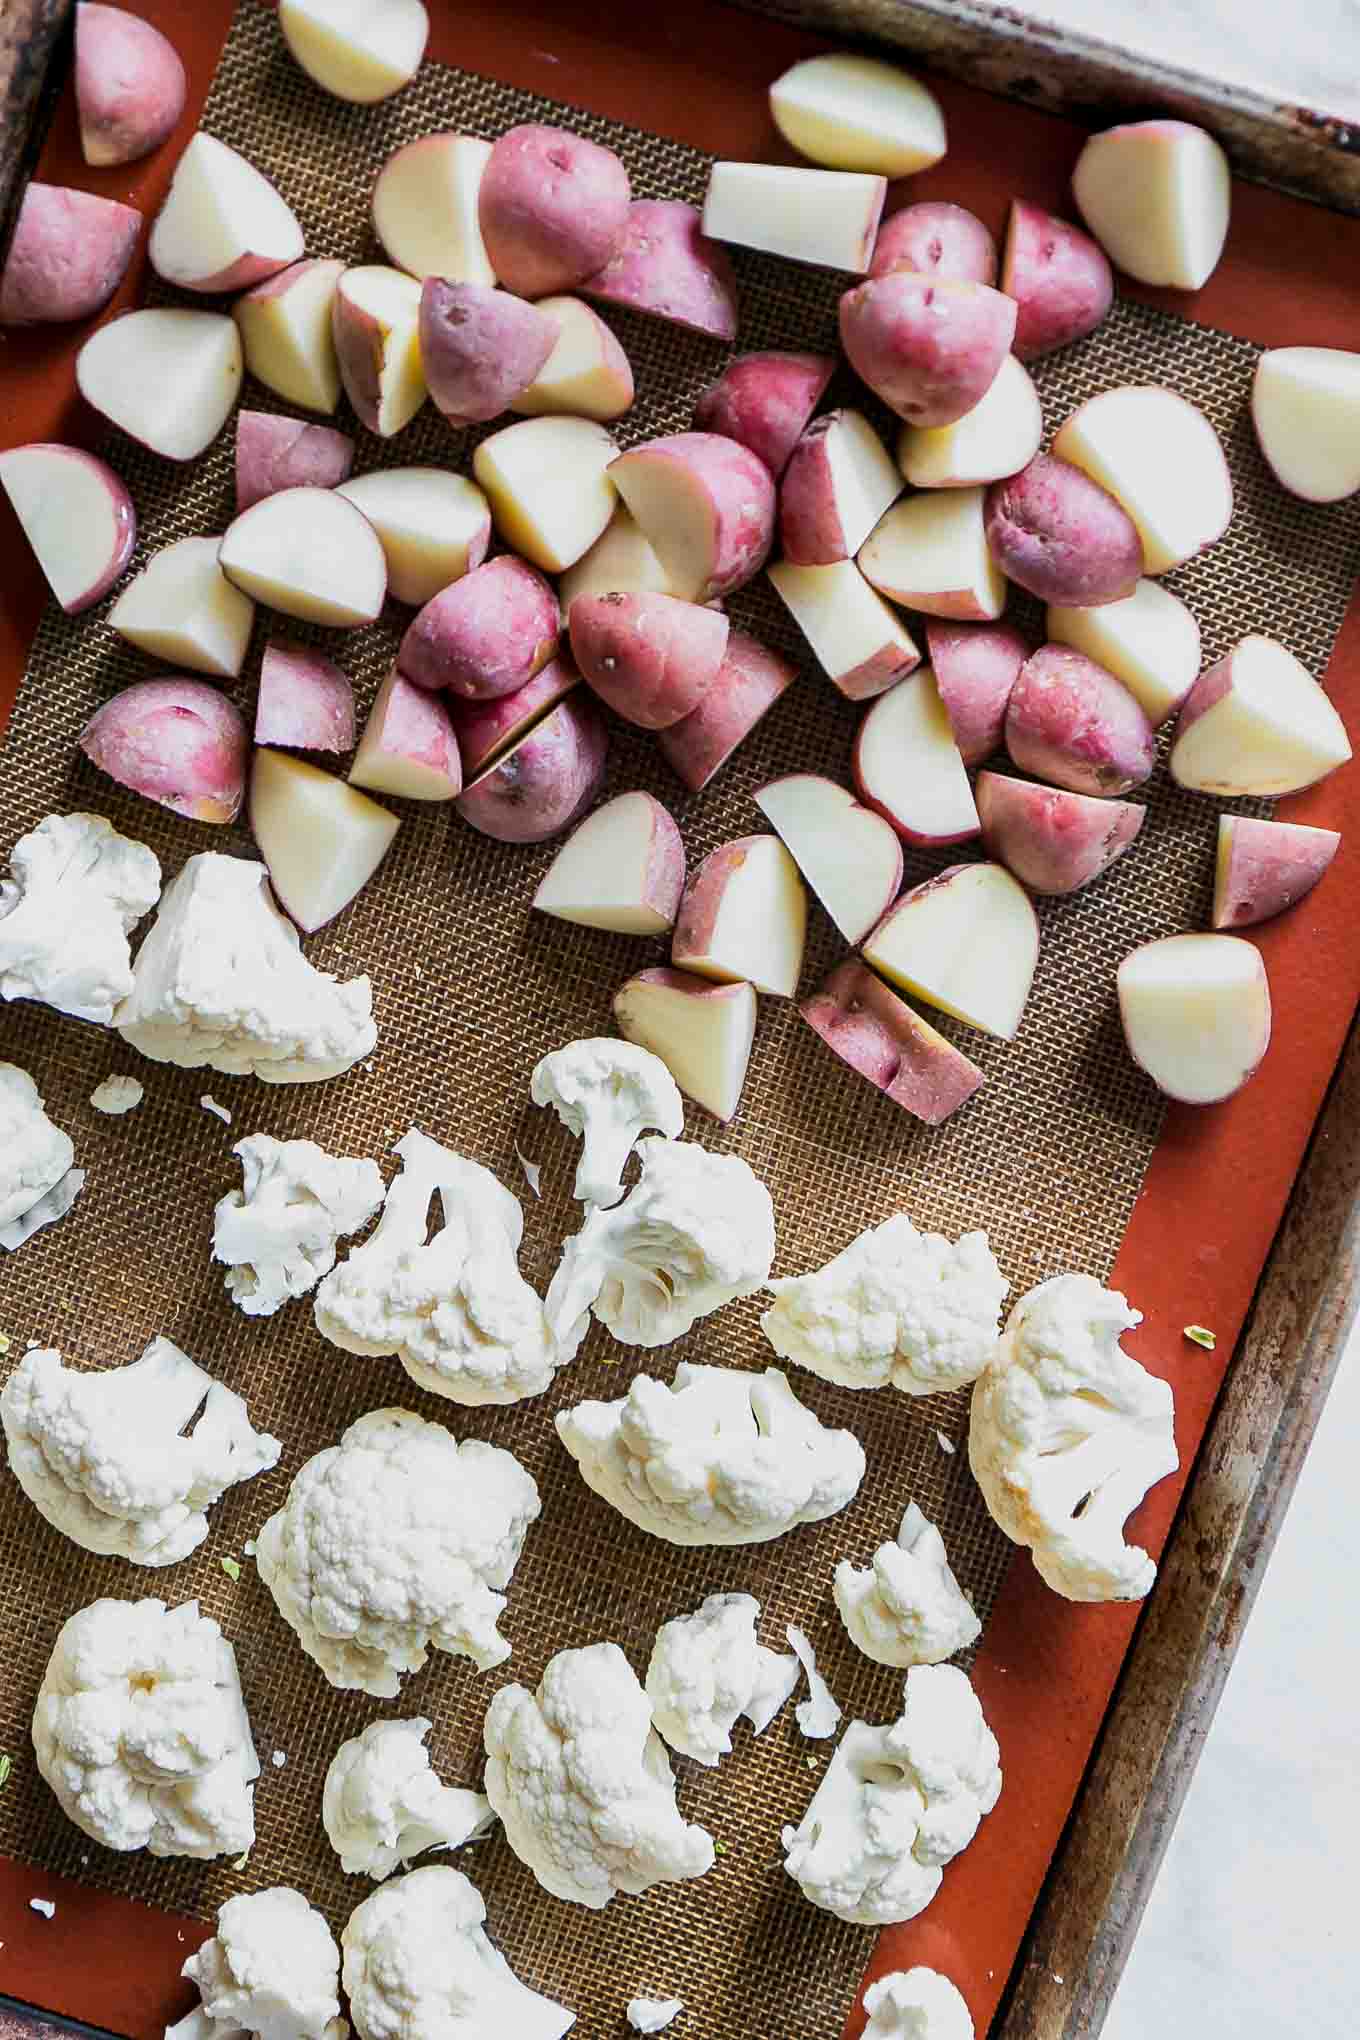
point(916, 2004)
point(382, 1804)
point(719, 1457)
point(895, 1308)
point(454, 1309)
point(221, 983)
point(76, 890)
point(141, 1731)
point(609, 1093)
point(906, 1607)
point(34, 1154)
point(897, 1803)
point(419, 1966)
point(583, 1785)
point(707, 1668)
point(116, 1096)
point(1067, 1435)
point(391, 1544)
point(278, 1235)
point(271, 1970)
point(108, 1458)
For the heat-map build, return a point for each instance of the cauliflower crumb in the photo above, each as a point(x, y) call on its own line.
point(946, 1443)
point(653, 2015)
point(279, 1759)
point(45, 1906)
point(819, 1715)
point(533, 1173)
point(210, 1104)
point(117, 1095)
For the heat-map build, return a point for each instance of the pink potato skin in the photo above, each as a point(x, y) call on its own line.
point(1060, 278)
point(741, 496)
point(553, 208)
point(546, 781)
point(305, 702)
point(178, 742)
point(130, 85)
point(975, 665)
point(359, 350)
point(480, 348)
point(750, 681)
point(124, 522)
point(703, 897)
point(486, 634)
point(664, 265)
point(67, 256)
point(1054, 531)
point(930, 347)
point(1072, 724)
point(486, 728)
point(934, 238)
point(810, 530)
point(1267, 867)
point(415, 726)
point(764, 402)
point(880, 1037)
point(649, 657)
point(275, 453)
point(1053, 841)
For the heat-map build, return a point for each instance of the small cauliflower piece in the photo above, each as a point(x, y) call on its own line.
point(109, 1458)
point(583, 1785)
point(418, 1966)
point(453, 1308)
point(820, 1714)
point(896, 1308)
point(271, 1970)
point(706, 1669)
point(35, 1155)
point(141, 1731)
point(916, 2004)
point(75, 891)
point(1068, 1433)
point(392, 1544)
point(897, 1804)
point(608, 1093)
point(719, 1457)
point(277, 1236)
point(221, 983)
point(52, 1205)
point(382, 1804)
point(653, 2015)
point(906, 1607)
point(117, 1095)
point(695, 1232)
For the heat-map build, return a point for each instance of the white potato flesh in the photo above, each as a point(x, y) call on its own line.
point(908, 765)
point(1160, 458)
point(863, 477)
point(1157, 196)
point(425, 208)
point(223, 224)
point(1305, 405)
point(621, 561)
point(390, 299)
point(930, 552)
point(75, 514)
point(286, 333)
point(182, 608)
point(321, 840)
point(309, 554)
point(1272, 729)
point(428, 522)
point(359, 50)
point(858, 113)
point(856, 639)
point(826, 217)
point(582, 374)
point(998, 437)
point(967, 942)
point(549, 492)
point(703, 1033)
point(1149, 640)
point(604, 874)
point(166, 377)
point(849, 856)
point(751, 919)
point(1196, 1014)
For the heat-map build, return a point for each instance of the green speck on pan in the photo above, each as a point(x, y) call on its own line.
point(231, 1567)
point(6, 1766)
point(1200, 1335)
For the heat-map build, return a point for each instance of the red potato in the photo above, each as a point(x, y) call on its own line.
point(1072, 724)
point(1305, 410)
point(743, 917)
point(861, 646)
point(305, 702)
point(480, 348)
point(1053, 841)
point(408, 747)
point(77, 516)
point(547, 480)
point(285, 328)
point(486, 635)
point(997, 438)
point(1156, 194)
point(587, 374)
point(621, 869)
point(543, 783)
point(1264, 867)
point(1256, 722)
point(130, 85)
point(839, 481)
point(166, 377)
point(1196, 1014)
point(975, 665)
point(893, 1048)
point(321, 839)
point(433, 526)
point(930, 552)
point(183, 610)
point(650, 658)
point(176, 741)
point(620, 561)
point(934, 238)
point(665, 266)
point(375, 324)
point(748, 684)
point(310, 554)
point(360, 51)
point(929, 347)
point(764, 401)
point(1060, 278)
point(702, 1032)
point(425, 208)
point(67, 255)
point(282, 453)
point(223, 226)
point(853, 112)
point(966, 941)
point(1160, 458)
point(825, 217)
point(907, 768)
point(486, 728)
point(1150, 641)
point(706, 504)
point(850, 856)
point(553, 208)
point(1054, 531)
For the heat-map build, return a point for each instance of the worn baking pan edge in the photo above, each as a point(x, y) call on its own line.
point(29, 30)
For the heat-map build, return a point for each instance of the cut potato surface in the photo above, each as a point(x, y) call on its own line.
point(1305, 405)
point(908, 767)
point(182, 608)
point(550, 494)
point(359, 50)
point(1257, 723)
point(744, 916)
point(1149, 640)
point(861, 646)
point(930, 553)
point(166, 377)
point(375, 321)
point(223, 225)
point(76, 515)
point(408, 747)
point(285, 326)
point(321, 840)
point(838, 482)
point(587, 374)
point(622, 869)
point(998, 437)
point(850, 857)
point(1160, 458)
point(433, 526)
point(310, 554)
point(1156, 194)
point(826, 217)
point(1196, 1014)
point(1265, 867)
point(425, 208)
point(858, 113)
point(622, 561)
point(702, 1032)
point(967, 942)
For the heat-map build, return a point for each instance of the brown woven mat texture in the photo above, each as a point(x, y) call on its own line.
point(471, 989)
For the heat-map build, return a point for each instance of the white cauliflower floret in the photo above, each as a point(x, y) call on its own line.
point(392, 1544)
point(653, 2015)
point(35, 1155)
point(382, 1804)
point(271, 1970)
point(109, 1458)
point(1067, 1435)
point(583, 1785)
point(916, 2004)
point(707, 1668)
point(906, 1607)
point(719, 1457)
point(609, 1093)
point(221, 983)
point(419, 1966)
point(278, 1235)
point(695, 1232)
point(141, 1731)
point(895, 1308)
point(820, 1714)
point(454, 1308)
point(76, 890)
point(897, 1804)
point(117, 1095)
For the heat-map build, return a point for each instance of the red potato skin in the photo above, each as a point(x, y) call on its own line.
point(702, 898)
point(177, 742)
point(764, 402)
point(810, 530)
point(480, 348)
point(67, 256)
point(1054, 531)
point(880, 1037)
point(125, 522)
point(975, 665)
point(359, 350)
point(1060, 278)
point(1072, 724)
point(749, 682)
point(415, 726)
point(665, 266)
point(305, 702)
point(1266, 867)
point(651, 658)
point(484, 635)
point(1054, 842)
point(486, 728)
point(742, 494)
point(275, 453)
point(934, 238)
point(553, 208)
point(546, 781)
point(130, 85)
point(930, 347)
